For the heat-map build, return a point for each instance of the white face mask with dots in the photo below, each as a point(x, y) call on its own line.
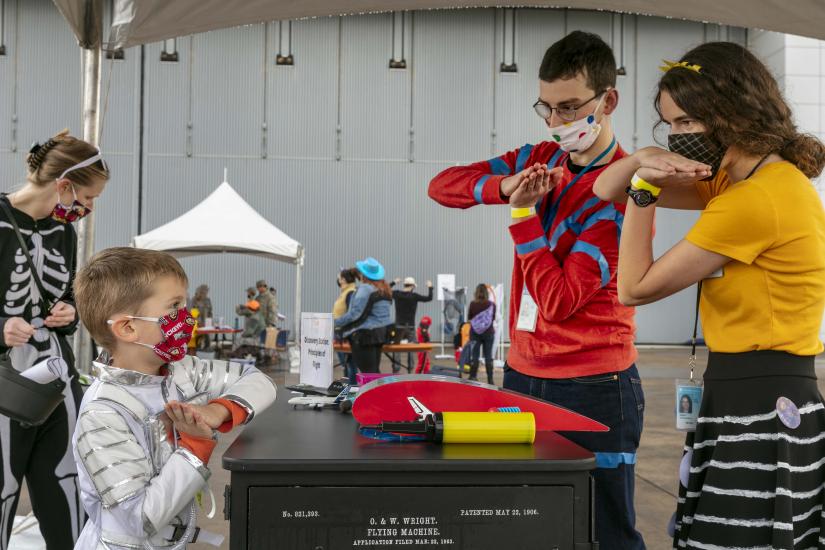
point(578, 135)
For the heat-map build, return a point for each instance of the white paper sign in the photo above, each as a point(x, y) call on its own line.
point(316, 349)
point(445, 281)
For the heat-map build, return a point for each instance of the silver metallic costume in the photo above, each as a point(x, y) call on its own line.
point(138, 489)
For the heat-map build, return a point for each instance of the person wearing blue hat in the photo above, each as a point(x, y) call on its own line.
point(365, 324)
point(371, 269)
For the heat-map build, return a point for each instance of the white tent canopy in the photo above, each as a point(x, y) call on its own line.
point(224, 222)
point(143, 21)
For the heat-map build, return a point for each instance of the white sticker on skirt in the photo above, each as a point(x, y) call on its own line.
point(684, 468)
point(788, 413)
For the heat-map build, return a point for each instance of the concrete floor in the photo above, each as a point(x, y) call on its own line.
point(658, 457)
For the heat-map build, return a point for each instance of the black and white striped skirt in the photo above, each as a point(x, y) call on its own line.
point(754, 482)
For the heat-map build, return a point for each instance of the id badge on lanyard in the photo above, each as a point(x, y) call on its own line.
point(528, 312)
point(689, 392)
point(688, 400)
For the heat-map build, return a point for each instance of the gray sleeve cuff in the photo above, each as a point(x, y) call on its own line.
point(195, 462)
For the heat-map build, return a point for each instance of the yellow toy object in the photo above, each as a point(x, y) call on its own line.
point(195, 313)
point(253, 305)
point(502, 425)
point(487, 427)
point(467, 427)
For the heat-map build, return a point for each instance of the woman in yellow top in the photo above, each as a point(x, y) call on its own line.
point(757, 457)
point(347, 280)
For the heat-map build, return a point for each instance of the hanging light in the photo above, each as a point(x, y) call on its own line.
point(170, 50)
point(2, 27)
point(621, 71)
point(397, 61)
point(508, 45)
point(284, 56)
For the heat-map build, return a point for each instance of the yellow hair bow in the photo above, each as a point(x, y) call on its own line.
point(668, 65)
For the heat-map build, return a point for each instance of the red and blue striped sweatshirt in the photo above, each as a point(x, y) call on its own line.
point(566, 257)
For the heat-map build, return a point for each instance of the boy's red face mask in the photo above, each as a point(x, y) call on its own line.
point(177, 328)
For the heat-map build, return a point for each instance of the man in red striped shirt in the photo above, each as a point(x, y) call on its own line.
point(571, 339)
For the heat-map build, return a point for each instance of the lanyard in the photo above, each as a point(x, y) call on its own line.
point(692, 360)
point(550, 214)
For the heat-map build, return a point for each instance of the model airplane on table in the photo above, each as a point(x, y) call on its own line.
point(341, 401)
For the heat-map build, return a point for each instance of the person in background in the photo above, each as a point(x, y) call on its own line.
point(201, 308)
point(423, 334)
point(202, 302)
point(274, 294)
point(346, 280)
point(253, 321)
point(406, 304)
point(369, 315)
point(250, 293)
point(481, 315)
point(269, 307)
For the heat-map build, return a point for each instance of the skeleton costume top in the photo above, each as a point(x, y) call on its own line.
point(42, 452)
point(53, 249)
point(137, 488)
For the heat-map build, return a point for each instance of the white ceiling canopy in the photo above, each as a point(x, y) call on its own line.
point(138, 22)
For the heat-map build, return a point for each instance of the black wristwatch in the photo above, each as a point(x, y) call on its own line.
point(642, 197)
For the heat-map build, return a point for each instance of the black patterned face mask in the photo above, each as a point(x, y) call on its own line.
point(697, 146)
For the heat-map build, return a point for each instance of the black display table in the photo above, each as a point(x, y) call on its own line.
point(305, 479)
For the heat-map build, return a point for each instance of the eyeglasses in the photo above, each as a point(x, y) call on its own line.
point(567, 113)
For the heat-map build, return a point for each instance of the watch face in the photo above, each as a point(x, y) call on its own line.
point(642, 197)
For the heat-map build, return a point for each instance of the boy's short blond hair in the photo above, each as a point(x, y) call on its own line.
point(119, 280)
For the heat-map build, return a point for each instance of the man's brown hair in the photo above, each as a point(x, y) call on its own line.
point(119, 280)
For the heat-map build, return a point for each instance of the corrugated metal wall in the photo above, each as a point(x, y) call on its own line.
point(336, 150)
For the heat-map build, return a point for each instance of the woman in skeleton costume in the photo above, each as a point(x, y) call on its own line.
point(65, 176)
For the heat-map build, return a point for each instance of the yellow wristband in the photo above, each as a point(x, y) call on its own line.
point(518, 213)
point(639, 183)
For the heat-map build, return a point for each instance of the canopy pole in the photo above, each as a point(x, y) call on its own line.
point(91, 133)
point(299, 266)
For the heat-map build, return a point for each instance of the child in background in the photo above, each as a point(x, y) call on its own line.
point(423, 334)
point(147, 425)
point(253, 323)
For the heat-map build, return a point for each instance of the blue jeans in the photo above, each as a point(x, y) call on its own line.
point(616, 400)
point(485, 342)
point(349, 366)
